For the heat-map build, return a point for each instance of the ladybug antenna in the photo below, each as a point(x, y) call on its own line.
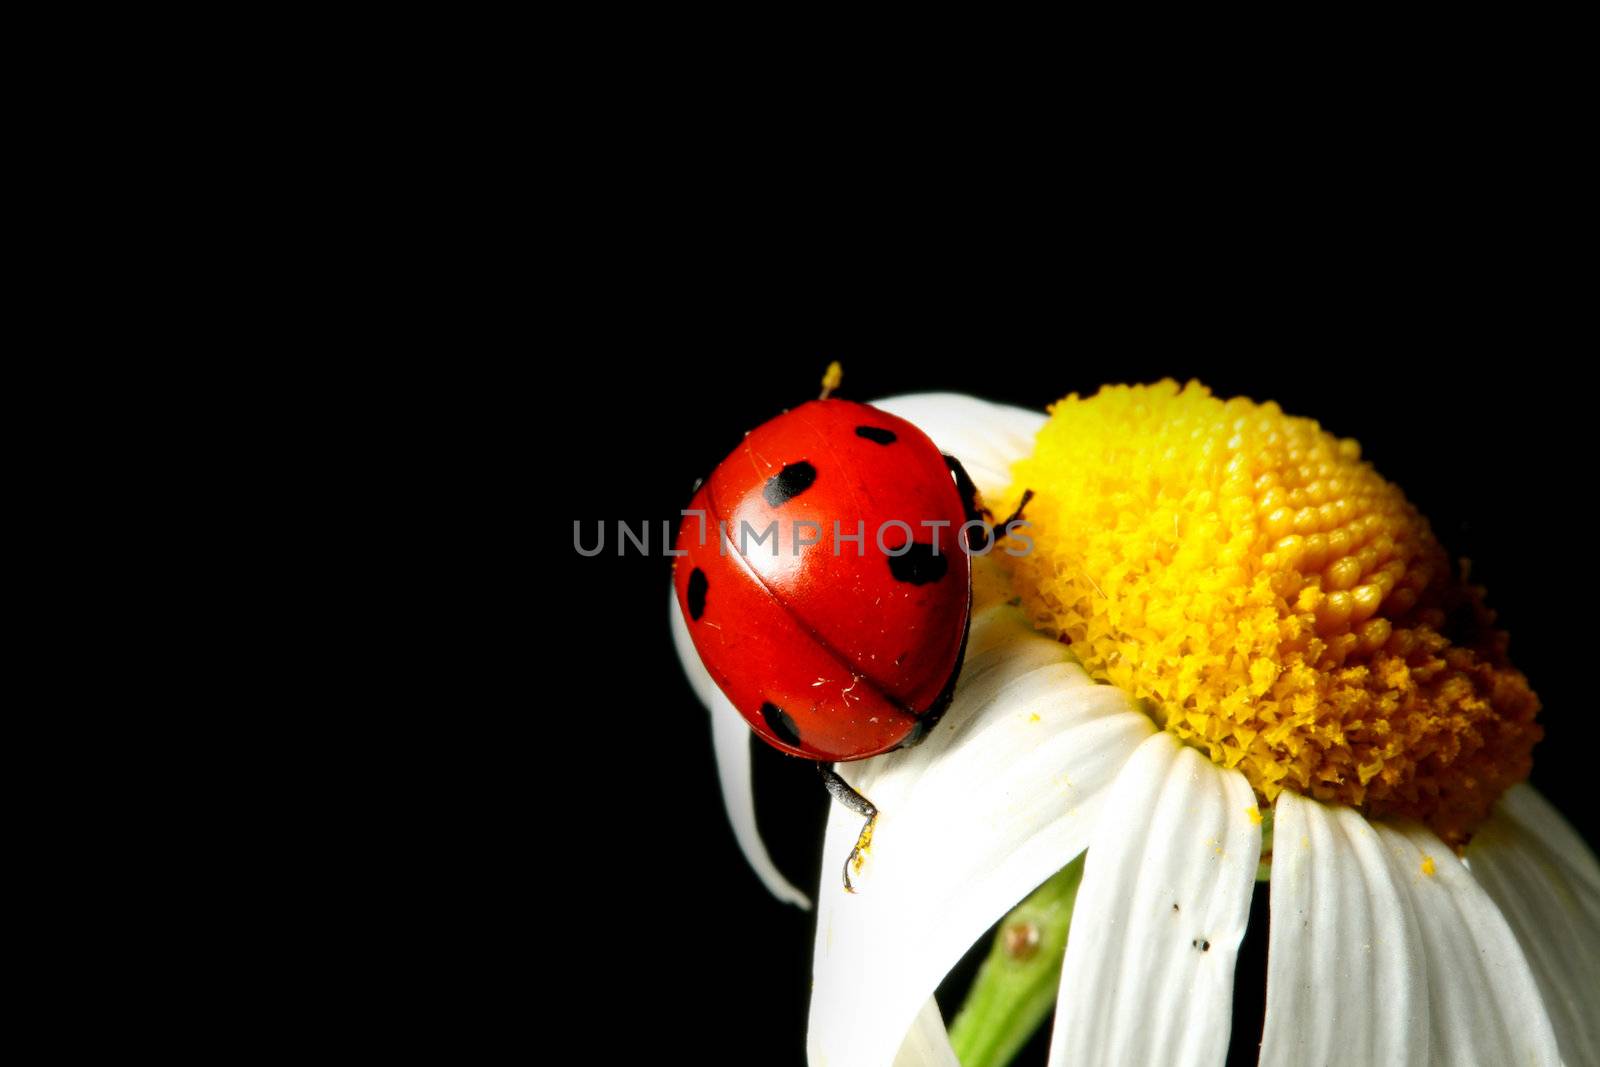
point(1016, 516)
point(831, 379)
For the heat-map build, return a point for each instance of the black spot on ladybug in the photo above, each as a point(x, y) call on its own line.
point(1203, 946)
point(794, 479)
point(697, 594)
point(919, 564)
point(778, 722)
point(876, 435)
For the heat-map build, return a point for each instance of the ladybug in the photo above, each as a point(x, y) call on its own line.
point(824, 577)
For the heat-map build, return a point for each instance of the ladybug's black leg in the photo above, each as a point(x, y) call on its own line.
point(969, 492)
point(857, 803)
point(976, 512)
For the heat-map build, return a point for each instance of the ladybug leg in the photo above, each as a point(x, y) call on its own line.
point(861, 806)
point(976, 512)
point(969, 492)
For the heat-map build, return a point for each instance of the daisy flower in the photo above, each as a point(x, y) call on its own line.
point(1228, 624)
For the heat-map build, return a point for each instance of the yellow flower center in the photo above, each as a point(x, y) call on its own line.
point(1273, 601)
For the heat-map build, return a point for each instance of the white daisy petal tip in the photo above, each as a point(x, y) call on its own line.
point(1001, 795)
point(730, 738)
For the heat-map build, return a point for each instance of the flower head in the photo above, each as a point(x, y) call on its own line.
point(1225, 614)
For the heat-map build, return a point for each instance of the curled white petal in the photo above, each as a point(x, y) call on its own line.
point(1483, 1004)
point(1165, 899)
point(1546, 883)
point(987, 438)
point(1346, 979)
point(1001, 795)
point(731, 736)
point(927, 1044)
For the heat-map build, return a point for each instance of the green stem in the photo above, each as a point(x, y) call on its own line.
point(1016, 986)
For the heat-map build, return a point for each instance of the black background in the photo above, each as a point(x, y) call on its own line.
point(1455, 386)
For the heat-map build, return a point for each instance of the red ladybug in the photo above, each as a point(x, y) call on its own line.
point(824, 586)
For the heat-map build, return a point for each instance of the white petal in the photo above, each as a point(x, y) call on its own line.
point(1164, 903)
point(928, 1042)
point(987, 438)
point(1535, 818)
point(1483, 1004)
point(1001, 795)
point(1547, 885)
point(1346, 980)
point(730, 736)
